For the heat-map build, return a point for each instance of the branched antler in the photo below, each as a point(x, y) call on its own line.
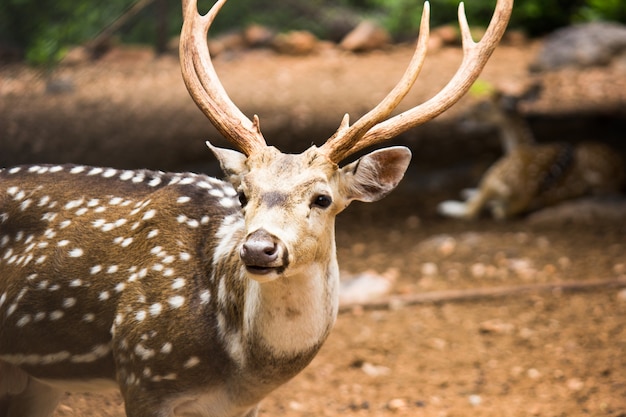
point(374, 129)
point(204, 85)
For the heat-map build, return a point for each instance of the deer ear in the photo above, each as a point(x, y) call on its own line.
point(375, 175)
point(233, 163)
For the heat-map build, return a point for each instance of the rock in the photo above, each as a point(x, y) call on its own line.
point(588, 210)
point(366, 286)
point(447, 34)
point(77, 55)
point(366, 36)
point(227, 42)
point(60, 85)
point(475, 400)
point(397, 404)
point(257, 36)
point(575, 384)
point(375, 370)
point(581, 46)
point(297, 42)
point(496, 326)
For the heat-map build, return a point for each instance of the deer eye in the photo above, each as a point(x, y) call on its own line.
point(321, 201)
point(243, 200)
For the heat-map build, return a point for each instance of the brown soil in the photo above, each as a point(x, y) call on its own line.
point(538, 353)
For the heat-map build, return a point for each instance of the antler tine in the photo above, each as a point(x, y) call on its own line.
point(347, 136)
point(475, 56)
point(204, 85)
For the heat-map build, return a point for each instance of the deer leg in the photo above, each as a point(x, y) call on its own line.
point(469, 209)
point(36, 399)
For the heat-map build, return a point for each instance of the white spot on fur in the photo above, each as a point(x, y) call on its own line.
point(56, 315)
point(191, 362)
point(143, 352)
point(178, 283)
point(155, 309)
point(176, 301)
point(69, 302)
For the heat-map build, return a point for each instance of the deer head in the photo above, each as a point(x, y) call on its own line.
point(306, 191)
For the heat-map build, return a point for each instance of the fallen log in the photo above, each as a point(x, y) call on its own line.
point(475, 294)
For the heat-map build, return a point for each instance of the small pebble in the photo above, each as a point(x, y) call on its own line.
point(475, 400)
point(396, 404)
point(575, 384)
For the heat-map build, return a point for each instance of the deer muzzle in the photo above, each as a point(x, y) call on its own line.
point(263, 253)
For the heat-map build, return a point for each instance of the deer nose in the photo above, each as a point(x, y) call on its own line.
point(263, 253)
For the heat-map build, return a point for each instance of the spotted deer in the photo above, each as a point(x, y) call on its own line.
point(531, 176)
point(192, 295)
point(501, 110)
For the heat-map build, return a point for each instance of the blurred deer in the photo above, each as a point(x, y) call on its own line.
point(531, 176)
point(192, 295)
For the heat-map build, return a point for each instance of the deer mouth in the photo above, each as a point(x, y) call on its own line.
point(264, 270)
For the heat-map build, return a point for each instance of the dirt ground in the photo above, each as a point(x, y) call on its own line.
point(537, 353)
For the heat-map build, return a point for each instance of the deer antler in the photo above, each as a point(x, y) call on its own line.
point(372, 128)
point(204, 86)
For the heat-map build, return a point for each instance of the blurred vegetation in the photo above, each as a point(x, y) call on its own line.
point(43, 30)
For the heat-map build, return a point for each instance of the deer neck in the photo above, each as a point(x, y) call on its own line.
point(283, 322)
point(514, 131)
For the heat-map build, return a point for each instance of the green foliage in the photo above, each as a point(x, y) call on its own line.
point(44, 29)
point(536, 17)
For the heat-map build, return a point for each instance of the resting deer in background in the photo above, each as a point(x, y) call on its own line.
point(192, 295)
point(500, 110)
point(531, 176)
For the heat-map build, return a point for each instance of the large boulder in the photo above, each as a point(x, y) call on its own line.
point(582, 46)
